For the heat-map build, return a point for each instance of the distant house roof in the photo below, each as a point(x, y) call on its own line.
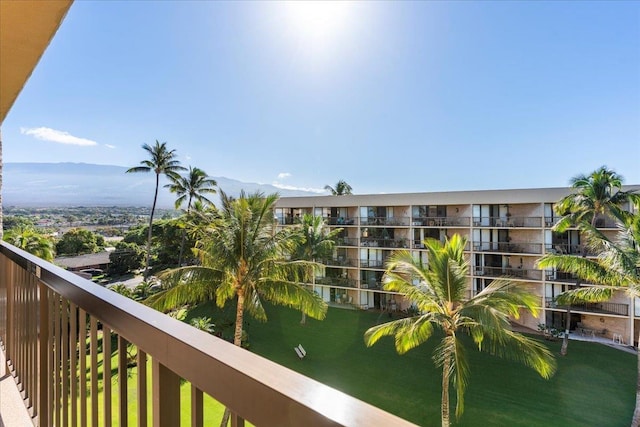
point(83, 261)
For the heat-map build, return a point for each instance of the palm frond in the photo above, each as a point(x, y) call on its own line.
point(408, 332)
point(587, 294)
point(291, 294)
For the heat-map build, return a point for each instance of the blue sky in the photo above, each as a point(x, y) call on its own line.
point(389, 96)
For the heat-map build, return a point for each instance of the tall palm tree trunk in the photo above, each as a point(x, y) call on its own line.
point(567, 323)
point(445, 392)
point(237, 340)
point(565, 338)
point(153, 209)
point(184, 236)
point(303, 321)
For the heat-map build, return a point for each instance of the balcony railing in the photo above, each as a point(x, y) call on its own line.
point(346, 241)
point(371, 284)
point(521, 273)
point(342, 220)
point(563, 277)
point(508, 247)
point(507, 222)
point(567, 249)
point(550, 221)
point(341, 282)
point(383, 243)
point(442, 221)
point(602, 222)
point(373, 263)
point(49, 315)
point(341, 262)
point(396, 221)
point(592, 307)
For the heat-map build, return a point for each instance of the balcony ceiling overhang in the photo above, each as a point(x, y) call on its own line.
point(26, 28)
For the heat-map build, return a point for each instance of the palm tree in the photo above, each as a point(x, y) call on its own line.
point(617, 267)
point(341, 188)
point(439, 290)
point(595, 195)
point(162, 161)
point(193, 186)
point(203, 323)
point(243, 257)
point(317, 242)
point(30, 240)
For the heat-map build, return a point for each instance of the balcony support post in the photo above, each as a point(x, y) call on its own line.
point(44, 374)
point(166, 396)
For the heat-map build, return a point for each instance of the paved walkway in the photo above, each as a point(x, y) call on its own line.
point(12, 410)
point(579, 337)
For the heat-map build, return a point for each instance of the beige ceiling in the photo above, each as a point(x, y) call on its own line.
point(26, 28)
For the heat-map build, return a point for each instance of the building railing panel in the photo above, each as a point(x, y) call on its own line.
point(40, 303)
point(441, 221)
point(592, 307)
point(383, 243)
point(346, 241)
point(508, 247)
point(567, 249)
point(396, 221)
point(517, 272)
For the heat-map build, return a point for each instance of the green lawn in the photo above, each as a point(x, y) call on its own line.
point(594, 384)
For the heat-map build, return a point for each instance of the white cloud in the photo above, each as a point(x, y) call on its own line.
point(283, 175)
point(109, 146)
point(293, 187)
point(59, 136)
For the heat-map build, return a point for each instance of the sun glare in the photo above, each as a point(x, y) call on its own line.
point(317, 23)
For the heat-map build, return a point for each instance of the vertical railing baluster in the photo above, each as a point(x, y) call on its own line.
point(93, 338)
point(165, 395)
point(123, 418)
point(57, 360)
point(44, 372)
point(82, 328)
point(106, 373)
point(142, 388)
point(64, 356)
point(196, 407)
point(33, 346)
point(52, 363)
point(18, 362)
point(73, 358)
point(236, 420)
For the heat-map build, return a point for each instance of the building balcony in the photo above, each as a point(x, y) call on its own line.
point(591, 307)
point(373, 263)
point(339, 282)
point(383, 243)
point(567, 249)
point(54, 324)
point(342, 220)
point(508, 247)
point(396, 221)
point(563, 277)
point(515, 272)
point(340, 262)
point(346, 241)
point(508, 222)
point(550, 221)
point(443, 221)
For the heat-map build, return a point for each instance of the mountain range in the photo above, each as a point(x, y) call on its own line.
point(83, 184)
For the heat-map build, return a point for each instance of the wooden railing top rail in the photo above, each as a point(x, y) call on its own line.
point(260, 391)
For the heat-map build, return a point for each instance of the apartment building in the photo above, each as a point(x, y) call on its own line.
point(507, 232)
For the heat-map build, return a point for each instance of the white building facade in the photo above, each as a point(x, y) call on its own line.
point(507, 232)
